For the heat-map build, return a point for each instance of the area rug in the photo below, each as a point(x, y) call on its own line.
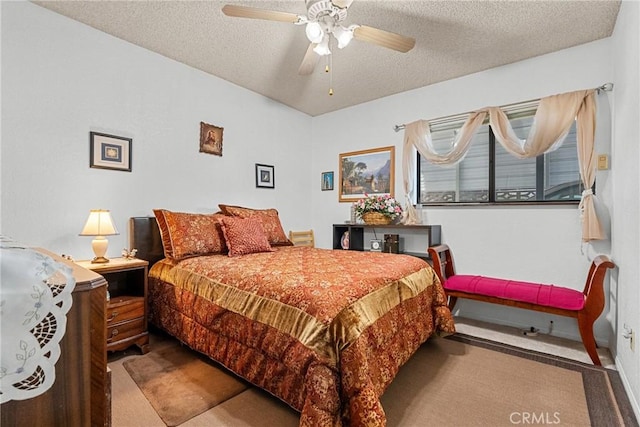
point(462, 380)
point(181, 384)
point(455, 381)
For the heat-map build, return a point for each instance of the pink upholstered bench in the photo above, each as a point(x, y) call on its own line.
point(585, 306)
point(532, 293)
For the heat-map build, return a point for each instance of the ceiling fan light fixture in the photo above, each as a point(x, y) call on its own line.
point(322, 26)
point(343, 35)
point(322, 48)
point(314, 32)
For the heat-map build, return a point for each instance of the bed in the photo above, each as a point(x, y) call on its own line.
point(325, 331)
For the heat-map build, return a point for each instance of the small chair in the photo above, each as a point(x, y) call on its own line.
point(302, 238)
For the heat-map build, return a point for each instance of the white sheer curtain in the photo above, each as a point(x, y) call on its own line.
point(586, 121)
point(418, 134)
point(552, 121)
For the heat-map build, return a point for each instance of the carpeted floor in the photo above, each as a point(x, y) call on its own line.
point(458, 381)
point(495, 384)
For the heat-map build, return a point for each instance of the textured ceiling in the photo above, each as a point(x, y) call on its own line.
point(453, 38)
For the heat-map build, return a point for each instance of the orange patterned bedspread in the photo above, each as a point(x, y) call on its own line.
point(324, 330)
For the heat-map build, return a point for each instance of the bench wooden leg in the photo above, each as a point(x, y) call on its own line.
point(585, 325)
point(452, 302)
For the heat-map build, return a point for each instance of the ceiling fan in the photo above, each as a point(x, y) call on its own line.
point(324, 19)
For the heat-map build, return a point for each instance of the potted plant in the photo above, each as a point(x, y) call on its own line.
point(378, 209)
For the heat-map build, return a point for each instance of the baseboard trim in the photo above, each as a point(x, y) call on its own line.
point(501, 321)
point(633, 400)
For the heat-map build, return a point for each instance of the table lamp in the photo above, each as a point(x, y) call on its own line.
point(99, 224)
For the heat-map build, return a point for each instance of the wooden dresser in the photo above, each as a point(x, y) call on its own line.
point(81, 393)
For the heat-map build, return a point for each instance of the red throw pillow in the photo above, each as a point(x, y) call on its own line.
point(270, 221)
point(189, 234)
point(244, 235)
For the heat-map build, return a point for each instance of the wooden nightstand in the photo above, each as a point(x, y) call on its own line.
point(127, 305)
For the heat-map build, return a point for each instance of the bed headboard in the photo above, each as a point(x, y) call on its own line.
point(144, 235)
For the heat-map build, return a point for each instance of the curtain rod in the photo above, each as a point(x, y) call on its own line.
point(607, 87)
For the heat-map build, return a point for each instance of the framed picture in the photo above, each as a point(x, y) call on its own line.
point(327, 181)
point(210, 139)
point(368, 171)
point(265, 176)
point(109, 152)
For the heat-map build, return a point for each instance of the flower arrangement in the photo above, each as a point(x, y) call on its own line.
point(381, 204)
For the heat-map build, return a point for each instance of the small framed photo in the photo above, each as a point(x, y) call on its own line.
point(211, 139)
point(109, 152)
point(327, 181)
point(265, 176)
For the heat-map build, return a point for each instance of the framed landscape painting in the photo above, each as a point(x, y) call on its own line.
point(368, 171)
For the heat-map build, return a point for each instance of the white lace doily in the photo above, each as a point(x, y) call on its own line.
point(35, 296)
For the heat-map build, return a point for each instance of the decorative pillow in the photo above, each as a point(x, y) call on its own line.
point(189, 234)
point(244, 235)
point(270, 222)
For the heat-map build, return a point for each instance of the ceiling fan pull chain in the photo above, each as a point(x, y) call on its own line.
point(329, 70)
point(330, 75)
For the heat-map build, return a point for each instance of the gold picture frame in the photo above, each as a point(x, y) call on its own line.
point(211, 139)
point(368, 171)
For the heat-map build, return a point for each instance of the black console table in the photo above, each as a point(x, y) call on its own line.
point(356, 235)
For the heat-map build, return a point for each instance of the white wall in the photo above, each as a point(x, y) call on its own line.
point(626, 213)
point(533, 243)
point(62, 79)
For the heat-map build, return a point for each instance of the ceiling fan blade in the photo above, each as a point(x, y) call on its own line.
point(309, 61)
point(384, 38)
point(255, 13)
point(344, 4)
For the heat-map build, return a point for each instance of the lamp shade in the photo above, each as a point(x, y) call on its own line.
point(314, 32)
point(343, 35)
point(99, 223)
point(322, 48)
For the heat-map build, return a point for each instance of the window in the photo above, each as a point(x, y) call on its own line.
point(489, 174)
